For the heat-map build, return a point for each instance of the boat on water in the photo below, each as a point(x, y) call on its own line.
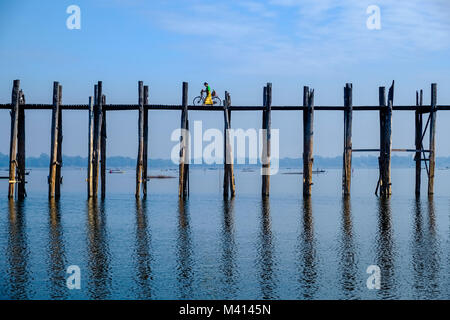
point(116, 171)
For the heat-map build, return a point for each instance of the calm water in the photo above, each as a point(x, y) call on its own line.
point(206, 248)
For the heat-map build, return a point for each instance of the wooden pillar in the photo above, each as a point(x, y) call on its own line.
point(140, 140)
point(182, 192)
point(13, 138)
point(308, 121)
point(59, 161)
point(228, 178)
point(418, 139)
point(98, 115)
point(385, 140)
point(21, 175)
point(52, 178)
point(90, 171)
point(348, 115)
point(265, 159)
point(103, 137)
point(432, 138)
point(145, 155)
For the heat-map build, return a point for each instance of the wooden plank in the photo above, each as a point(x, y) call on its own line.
point(103, 137)
point(432, 136)
point(308, 120)
point(58, 176)
point(265, 159)
point(418, 142)
point(140, 158)
point(90, 171)
point(145, 155)
point(182, 192)
point(54, 142)
point(347, 161)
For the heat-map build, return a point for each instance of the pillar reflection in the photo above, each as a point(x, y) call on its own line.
point(307, 253)
point(99, 280)
point(266, 261)
point(17, 253)
point(56, 259)
point(184, 252)
point(142, 253)
point(347, 262)
point(228, 259)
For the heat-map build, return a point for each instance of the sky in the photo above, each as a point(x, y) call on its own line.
point(236, 46)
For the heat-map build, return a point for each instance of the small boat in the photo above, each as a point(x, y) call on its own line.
point(116, 171)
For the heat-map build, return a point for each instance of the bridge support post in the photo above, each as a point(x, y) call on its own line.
point(145, 148)
point(90, 171)
point(21, 171)
point(184, 145)
point(140, 157)
point(308, 121)
point(103, 137)
point(385, 140)
point(418, 140)
point(98, 118)
point(59, 148)
point(228, 177)
point(266, 124)
point(347, 161)
point(432, 138)
point(54, 172)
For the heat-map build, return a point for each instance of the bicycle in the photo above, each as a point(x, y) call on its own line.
point(200, 100)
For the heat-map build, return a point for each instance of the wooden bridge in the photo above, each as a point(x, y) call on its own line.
point(97, 109)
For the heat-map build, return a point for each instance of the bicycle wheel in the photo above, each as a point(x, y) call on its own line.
point(198, 101)
point(216, 101)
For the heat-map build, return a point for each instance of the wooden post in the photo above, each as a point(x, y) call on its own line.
point(182, 192)
point(308, 121)
point(347, 163)
point(21, 175)
point(90, 171)
point(418, 140)
point(58, 177)
point(103, 137)
point(140, 139)
point(228, 178)
point(145, 155)
point(54, 142)
point(265, 159)
point(432, 138)
point(97, 132)
point(13, 138)
point(385, 140)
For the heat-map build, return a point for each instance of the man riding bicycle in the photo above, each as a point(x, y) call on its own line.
point(208, 99)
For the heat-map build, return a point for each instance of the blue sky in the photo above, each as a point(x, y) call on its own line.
point(234, 45)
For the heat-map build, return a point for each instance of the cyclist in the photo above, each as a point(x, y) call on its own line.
point(208, 99)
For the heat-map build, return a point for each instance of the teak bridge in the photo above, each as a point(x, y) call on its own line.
point(98, 109)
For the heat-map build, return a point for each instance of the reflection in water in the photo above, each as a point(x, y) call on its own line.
point(385, 249)
point(265, 252)
point(425, 256)
point(347, 263)
point(184, 252)
point(308, 254)
point(56, 259)
point(142, 254)
point(17, 252)
point(228, 261)
point(99, 282)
